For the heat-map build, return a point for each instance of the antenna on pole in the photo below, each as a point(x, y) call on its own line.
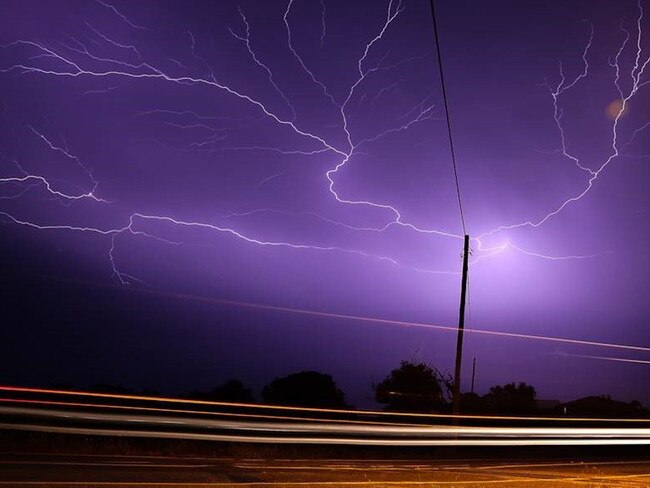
point(473, 374)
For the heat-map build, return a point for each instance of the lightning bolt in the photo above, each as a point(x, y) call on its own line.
point(128, 47)
point(121, 15)
point(636, 83)
point(298, 57)
point(76, 59)
point(323, 31)
point(246, 40)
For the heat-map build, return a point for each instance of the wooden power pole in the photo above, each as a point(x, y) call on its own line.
point(461, 327)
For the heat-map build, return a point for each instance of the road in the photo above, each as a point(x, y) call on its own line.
point(52, 438)
point(55, 470)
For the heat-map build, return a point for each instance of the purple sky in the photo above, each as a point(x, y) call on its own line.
point(295, 155)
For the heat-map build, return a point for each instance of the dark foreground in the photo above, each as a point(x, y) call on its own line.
point(44, 470)
point(58, 461)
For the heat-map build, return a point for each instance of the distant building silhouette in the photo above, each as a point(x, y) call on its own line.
point(601, 406)
point(547, 404)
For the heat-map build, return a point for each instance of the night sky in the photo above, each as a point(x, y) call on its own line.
point(160, 160)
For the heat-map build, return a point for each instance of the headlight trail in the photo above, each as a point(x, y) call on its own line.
point(337, 428)
point(351, 441)
point(422, 431)
point(47, 403)
point(256, 406)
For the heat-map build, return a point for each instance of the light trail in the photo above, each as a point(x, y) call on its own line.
point(608, 358)
point(315, 484)
point(400, 323)
point(195, 412)
point(324, 428)
point(350, 441)
point(372, 413)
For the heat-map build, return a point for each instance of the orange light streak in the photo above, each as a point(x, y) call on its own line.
point(20, 389)
point(400, 323)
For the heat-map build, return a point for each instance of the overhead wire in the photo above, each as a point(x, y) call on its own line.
point(447, 117)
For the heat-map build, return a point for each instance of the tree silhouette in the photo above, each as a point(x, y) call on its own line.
point(231, 391)
point(304, 389)
point(414, 387)
point(512, 398)
point(472, 403)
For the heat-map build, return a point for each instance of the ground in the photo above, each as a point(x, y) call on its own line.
point(254, 466)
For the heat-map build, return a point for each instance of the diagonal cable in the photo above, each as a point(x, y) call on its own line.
point(444, 96)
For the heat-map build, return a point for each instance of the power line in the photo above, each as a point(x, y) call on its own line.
point(444, 96)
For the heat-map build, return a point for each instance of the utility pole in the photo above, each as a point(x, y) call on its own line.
point(461, 327)
point(473, 373)
point(463, 290)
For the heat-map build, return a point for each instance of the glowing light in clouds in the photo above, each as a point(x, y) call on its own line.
point(97, 55)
